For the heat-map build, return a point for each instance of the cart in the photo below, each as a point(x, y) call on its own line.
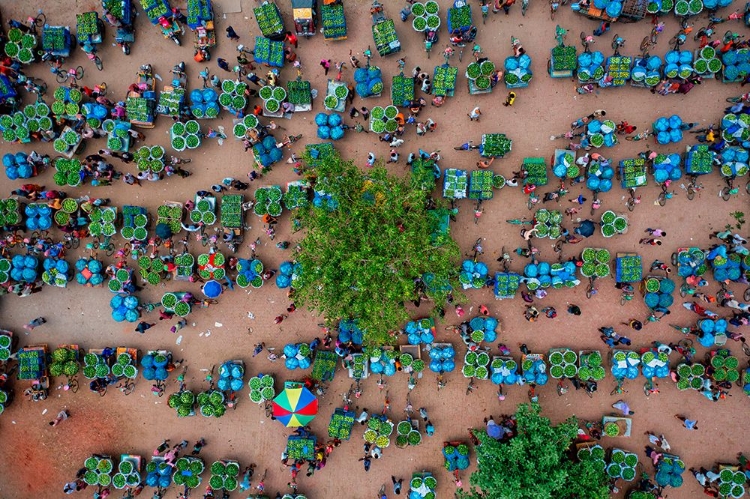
point(333, 19)
point(201, 20)
point(117, 129)
point(232, 216)
point(475, 90)
point(384, 32)
point(324, 365)
point(124, 12)
point(618, 67)
point(141, 106)
point(57, 41)
point(75, 148)
point(632, 10)
point(455, 184)
point(624, 425)
point(299, 447)
point(172, 97)
point(563, 61)
point(536, 169)
point(156, 9)
point(444, 81)
point(304, 13)
point(689, 261)
point(632, 173)
point(32, 366)
point(506, 285)
point(89, 28)
point(299, 94)
point(416, 353)
point(341, 424)
point(331, 91)
point(269, 20)
point(459, 18)
point(699, 160)
point(358, 367)
point(628, 268)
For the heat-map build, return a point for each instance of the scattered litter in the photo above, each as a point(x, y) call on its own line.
point(179, 339)
point(44, 412)
point(250, 315)
point(208, 333)
point(158, 77)
point(218, 324)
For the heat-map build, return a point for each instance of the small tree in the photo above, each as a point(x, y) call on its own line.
point(362, 258)
point(534, 464)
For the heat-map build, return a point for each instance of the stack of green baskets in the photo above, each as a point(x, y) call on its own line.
point(595, 262)
point(172, 303)
point(622, 465)
point(563, 363)
point(20, 46)
point(125, 366)
point(232, 97)
point(333, 100)
point(203, 213)
point(613, 224)
point(118, 281)
point(383, 119)
point(248, 122)
point(273, 97)
point(94, 366)
point(150, 269)
point(98, 471)
point(224, 475)
point(150, 159)
point(184, 135)
point(261, 388)
point(128, 474)
point(103, 221)
point(170, 215)
point(268, 200)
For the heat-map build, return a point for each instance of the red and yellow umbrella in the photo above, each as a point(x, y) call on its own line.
point(295, 407)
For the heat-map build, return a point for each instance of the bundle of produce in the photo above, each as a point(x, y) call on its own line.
point(298, 356)
point(139, 109)
point(128, 474)
point(198, 11)
point(548, 224)
point(231, 211)
point(369, 83)
point(506, 284)
point(341, 425)
point(565, 165)
point(669, 472)
point(269, 52)
point(595, 262)
point(564, 58)
point(24, 268)
point(383, 119)
point(731, 483)
point(629, 268)
point(734, 161)
point(261, 388)
point(231, 375)
point(170, 101)
point(64, 362)
point(182, 402)
point(504, 371)
point(249, 273)
point(633, 172)
point(590, 66)
point(378, 431)
point(125, 308)
point(204, 211)
point(266, 154)
point(385, 36)
point(134, 222)
point(483, 328)
point(423, 486)
point(95, 366)
point(204, 103)
point(536, 171)
point(170, 215)
point(426, 16)
point(667, 167)
point(38, 216)
point(31, 363)
point(17, 127)
point(736, 64)
point(481, 184)
point(700, 158)
point(710, 329)
point(647, 72)
point(442, 359)
point(18, 166)
point(154, 366)
point(691, 262)
point(455, 184)
point(618, 68)
point(456, 458)
point(5, 266)
point(594, 453)
point(87, 24)
point(476, 365)
point(678, 64)
point(248, 122)
point(458, 18)
point(735, 128)
point(289, 272)
point(590, 366)
point(211, 403)
point(601, 133)
point(406, 435)
point(625, 364)
point(424, 174)
point(273, 97)
point(68, 212)
point(473, 274)
point(300, 447)
point(56, 272)
point(232, 97)
point(655, 364)
point(185, 263)
point(125, 366)
point(691, 376)
point(118, 137)
point(612, 224)
point(4, 399)
point(296, 195)
point(151, 158)
point(224, 475)
point(268, 200)
point(333, 20)
point(20, 46)
point(563, 363)
point(102, 221)
point(187, 472)
point(383, 360)
point(420, 331)
point(726, 264)
point(707, 61)
point(89, 272)
point(324, 366)
point(664, 7)
point(67, 142)
point(622, 465)
point(556, 275)
point(330, 126)
point(349, 331)
point(5, 339)
point(402, 90)
point(184, 135)
point(659, 293)
point(668, 129)
point(444, 80)
point(534, 370)
point(269, 19)
point(517, 71)
point(120, 279)
point(98, 471)
point(480, 75)
point(68, 172)
point(10, 214)
point(211, 266)
point(298, 91)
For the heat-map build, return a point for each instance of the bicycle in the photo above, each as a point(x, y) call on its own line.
point(627, 294)
point(126, 387)
point(617, 43)
point(631, 201)
point(664, 195)
point(506, 259)
point(71, 241)
point(520, 221)
point(73, 73)
point(618, 389)
point(524, 7)
point(640, 136)
point(553, 6)
point(157, 389)
point(105, 245)
point(41, 234)
point(72, 384)
point(470, 387)
point(591, 290)
point(97, 61)
point(729, 190)
point(693, 187)
point(533, 199)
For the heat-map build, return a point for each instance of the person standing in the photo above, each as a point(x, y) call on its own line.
point(656, 232)
point(223, 64)
point(475, 114)
point(231, 34)
point(690, 424)
point(292, 39)
point(61, 416)
point(326, 65)
point(396, 485)
point(180, 324)
point(35, 323)
point(144, 326)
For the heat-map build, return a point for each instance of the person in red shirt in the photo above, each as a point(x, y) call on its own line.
point(291, 38)
point(257, 110)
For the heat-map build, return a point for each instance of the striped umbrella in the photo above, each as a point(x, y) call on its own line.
point(295, 407)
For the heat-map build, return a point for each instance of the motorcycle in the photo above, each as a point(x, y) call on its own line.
point(124, 37)
point(170, 28)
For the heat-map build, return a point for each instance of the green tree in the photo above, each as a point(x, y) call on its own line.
point(534, 464)
point(360, 260)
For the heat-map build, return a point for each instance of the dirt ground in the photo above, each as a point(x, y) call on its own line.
point(43, 458)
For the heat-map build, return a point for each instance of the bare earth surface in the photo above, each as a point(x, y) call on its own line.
point(38, 459)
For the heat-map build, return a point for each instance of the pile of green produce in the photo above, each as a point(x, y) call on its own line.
point(622, 465)
point(731, 483)
point(185, 263)
point(700, 159)
point(384, 34)
point(336, 97)
point(378, 432)
point(231, 211)
point(150, 269)
point(296, 195)
point(170, 102)
point(340, 425)
point(94, 366)
point(426, 16)
point(150, 159)
point(564, 58)
point(630, 268)
point(134, 222)
point(184, 135)
point(595, 262)
point(64, 362)
point(444, 80)
point(708, 61)
point(590, 366)
point(182, 402)
point(170, 215)
point(402, 90)
point(406, 434)
point(98, 470)
point(272, 97)
point(725, 367)
point(211, 403)
point(103, 221)
point(128, 474)
point(204, 211)
point(232, 97)
point(479, 74)
point(66, 142)
point(333, 20)
point(612, 224)
point(268, 200)
point(20, 125)
point(125, 366)
point(118, 138)
point(383, 119)
point(269, 19)
point(172, 303)
point(261, 388)
point(118, 281)
point(536, 171)
point(563, 363)
point(594, 453)
point(187, 472)
point(68, 172)
point(139, 109)
point(548, 223)
point(224, 475)
point(20, 46)
point(298, 91)
point(211, 266)
point(633, 172)
point(5, 340)
point(476, 365)
point(9, 212)
point(248, 122)
point(618, 67)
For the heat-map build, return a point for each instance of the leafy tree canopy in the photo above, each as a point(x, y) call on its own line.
point(361, 259)
point(534, 464)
